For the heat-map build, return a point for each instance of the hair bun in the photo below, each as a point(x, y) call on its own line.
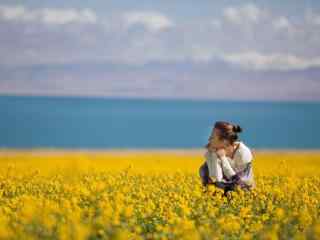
point(237, 128)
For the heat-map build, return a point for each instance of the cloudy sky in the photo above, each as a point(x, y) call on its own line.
point(232, 50)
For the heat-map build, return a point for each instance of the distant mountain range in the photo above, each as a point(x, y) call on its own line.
point(181, 79)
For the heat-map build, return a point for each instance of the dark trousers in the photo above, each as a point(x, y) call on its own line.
point(205, 179)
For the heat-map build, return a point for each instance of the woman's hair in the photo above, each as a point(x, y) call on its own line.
point(228, 131)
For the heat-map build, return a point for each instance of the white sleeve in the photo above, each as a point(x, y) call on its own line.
point(214, 166)
point(226, 167)
point(246, 156)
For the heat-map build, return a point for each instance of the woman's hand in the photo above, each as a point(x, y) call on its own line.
point(211, 147)
point(221, 152)
point(213, 144)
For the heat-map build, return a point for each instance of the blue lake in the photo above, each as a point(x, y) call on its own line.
point(79, 122)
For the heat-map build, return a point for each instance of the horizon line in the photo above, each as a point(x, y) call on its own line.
point(183, 99)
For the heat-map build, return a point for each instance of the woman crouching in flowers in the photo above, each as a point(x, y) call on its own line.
point(228, 160)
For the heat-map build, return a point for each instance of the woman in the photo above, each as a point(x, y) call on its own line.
point(228, 160)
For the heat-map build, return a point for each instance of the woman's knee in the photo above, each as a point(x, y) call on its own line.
point(203, 170)
point(204, 174)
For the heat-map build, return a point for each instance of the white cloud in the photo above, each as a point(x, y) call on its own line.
point(198, 40)
point(312, 18)
point(153, 21)
point(281, 23)
point(58, 16)
point(216, 23)
point(246, 13)
point(257, 61)
point(47, 15)
point(12, 13)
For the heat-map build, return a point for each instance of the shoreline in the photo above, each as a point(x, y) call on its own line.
point(141, 151)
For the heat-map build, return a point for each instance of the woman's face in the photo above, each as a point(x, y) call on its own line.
point(214, 139)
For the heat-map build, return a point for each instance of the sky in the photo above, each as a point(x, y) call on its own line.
point(230, 50)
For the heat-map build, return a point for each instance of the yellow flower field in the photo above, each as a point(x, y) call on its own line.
point(154, 195)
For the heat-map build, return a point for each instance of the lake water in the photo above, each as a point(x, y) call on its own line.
point(79, 122)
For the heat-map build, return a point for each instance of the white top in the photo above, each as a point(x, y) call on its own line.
point(229, 166)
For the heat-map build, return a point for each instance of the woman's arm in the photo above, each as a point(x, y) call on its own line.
point(226, 167)
point(228, 171)
point(214, 166)
point(244, 169)
point(245, 157)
